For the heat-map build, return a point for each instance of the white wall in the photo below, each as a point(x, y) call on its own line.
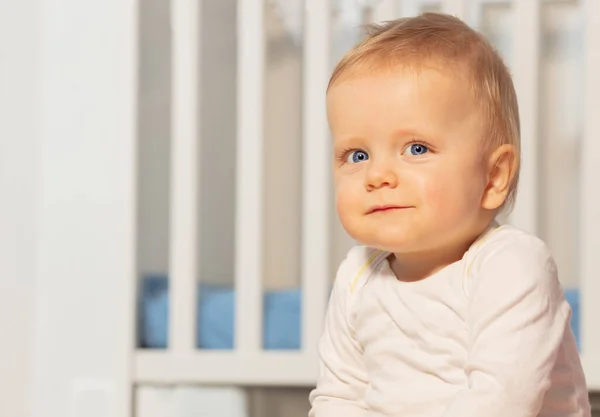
point(18, 118)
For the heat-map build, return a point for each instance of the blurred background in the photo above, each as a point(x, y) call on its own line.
point(167, 232)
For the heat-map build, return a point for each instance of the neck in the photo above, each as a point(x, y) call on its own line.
point(410, 267)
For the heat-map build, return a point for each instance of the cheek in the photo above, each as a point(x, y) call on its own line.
point(347, 188)
point(450, 193)
point(348, 198)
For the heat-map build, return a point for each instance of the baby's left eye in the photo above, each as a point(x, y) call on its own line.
point(416, 149)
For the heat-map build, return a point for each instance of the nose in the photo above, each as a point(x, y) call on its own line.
point(381, 175)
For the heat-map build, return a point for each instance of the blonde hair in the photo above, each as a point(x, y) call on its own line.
point(434, 37)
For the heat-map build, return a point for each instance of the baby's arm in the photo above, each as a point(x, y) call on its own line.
point(517, 319)
point(342, 377)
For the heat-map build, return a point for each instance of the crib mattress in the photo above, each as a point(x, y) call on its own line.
point(216, 311)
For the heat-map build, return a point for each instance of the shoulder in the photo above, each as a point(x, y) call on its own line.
point(512, 246)
point(357, 266)
point(509, 256)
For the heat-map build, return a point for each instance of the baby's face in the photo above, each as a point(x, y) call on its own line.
point(408, 166)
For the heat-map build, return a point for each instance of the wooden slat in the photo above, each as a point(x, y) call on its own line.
point(249, 175)
point(526, 75)
point(184, 175)
point(316, 197)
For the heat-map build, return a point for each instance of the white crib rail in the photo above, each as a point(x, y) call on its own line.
point(316, 201)
point(184, 174)
point(590, 198)
point(249, 197)
point(80, 59)
point(247, 363)
point(526, 43)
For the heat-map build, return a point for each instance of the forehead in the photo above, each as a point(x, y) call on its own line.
point(426, 99)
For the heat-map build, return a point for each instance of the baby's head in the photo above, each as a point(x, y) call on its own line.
point(425, 123)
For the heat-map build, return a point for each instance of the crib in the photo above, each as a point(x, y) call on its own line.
point(141, 308)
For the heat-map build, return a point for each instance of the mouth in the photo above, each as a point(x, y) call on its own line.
point(386, 208)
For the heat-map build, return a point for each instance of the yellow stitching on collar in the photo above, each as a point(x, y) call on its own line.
point(478, 245)
point(363, 269)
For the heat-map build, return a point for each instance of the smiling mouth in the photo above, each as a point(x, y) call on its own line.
point(379, 209)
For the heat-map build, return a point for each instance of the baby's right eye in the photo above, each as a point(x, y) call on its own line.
point(357, 156)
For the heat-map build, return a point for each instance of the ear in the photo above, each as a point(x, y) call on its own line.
point(502, 167)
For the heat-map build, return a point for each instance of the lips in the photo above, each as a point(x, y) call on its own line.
point(386, 208)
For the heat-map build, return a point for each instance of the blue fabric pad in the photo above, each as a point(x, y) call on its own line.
point(215, 317)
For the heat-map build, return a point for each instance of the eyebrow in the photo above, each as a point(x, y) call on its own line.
point(413, 132)
point(398, 133)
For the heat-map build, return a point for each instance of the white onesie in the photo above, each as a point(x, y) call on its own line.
point(487, 336)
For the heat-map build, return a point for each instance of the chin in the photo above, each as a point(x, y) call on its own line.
point(389, 244)
point(392, 239)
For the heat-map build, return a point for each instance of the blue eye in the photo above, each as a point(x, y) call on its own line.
point(417, 149)
point(357, 156)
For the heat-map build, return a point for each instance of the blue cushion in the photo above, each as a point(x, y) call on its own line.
point(215, 317)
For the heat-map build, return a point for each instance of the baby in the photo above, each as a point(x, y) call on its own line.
point(442, 312)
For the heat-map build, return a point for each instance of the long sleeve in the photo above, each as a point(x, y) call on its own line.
point(342, 377)
point(517, 317)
